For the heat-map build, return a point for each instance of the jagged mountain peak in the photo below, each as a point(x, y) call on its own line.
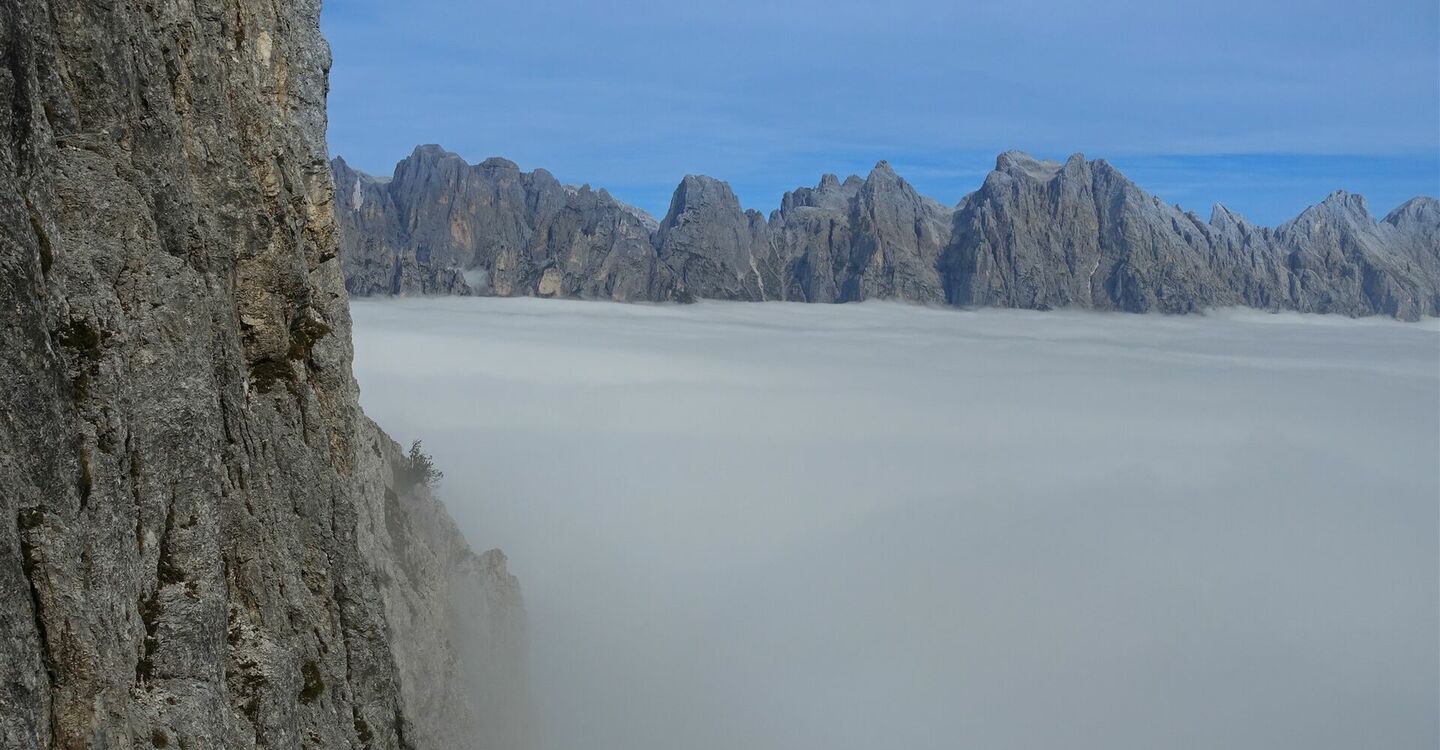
point(883, 172)
point(1222, 217)
point(828, 193)
point(498, 162)
point(585, 191)
point(1018, 165)
point(1021, 164)
point(1339, 208)
point(1422, 210)
point(1098, 166)
point(343, 169)
point(698, 191)
point(432, 152)
point(883, 179)
point(1346, 200)
point(703, 181)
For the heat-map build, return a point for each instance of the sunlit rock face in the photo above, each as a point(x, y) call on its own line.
point(1036, 235)
point(193, 529)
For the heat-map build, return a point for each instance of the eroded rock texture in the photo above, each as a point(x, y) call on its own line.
point(1079, 234)
point(862, 239)
point(193, 538)
point(444, 226)
point(1037, 234)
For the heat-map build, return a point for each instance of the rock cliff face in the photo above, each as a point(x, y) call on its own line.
point(444, 226)
point(456, 619)
point(861, 239)
point(195, 535)
point(1037, 234)
point(1042, 234)
point(712, 248)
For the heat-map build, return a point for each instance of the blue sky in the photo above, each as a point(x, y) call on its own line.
point(1266, 106)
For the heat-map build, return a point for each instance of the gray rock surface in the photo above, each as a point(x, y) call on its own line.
point(861, 239)
point(712, 247)
point(194, 546)
point(1037, 234)
point(441, 225)
point(1041, 234)
point(376, 261)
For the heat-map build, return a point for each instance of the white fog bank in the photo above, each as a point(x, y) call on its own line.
point(862, 527)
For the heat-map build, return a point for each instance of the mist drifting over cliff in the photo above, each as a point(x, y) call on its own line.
point(862, 526)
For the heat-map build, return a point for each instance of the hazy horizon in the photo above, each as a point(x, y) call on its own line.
point(785, 526)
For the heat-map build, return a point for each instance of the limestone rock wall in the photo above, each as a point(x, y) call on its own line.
point(444, 226)
point(186, 471)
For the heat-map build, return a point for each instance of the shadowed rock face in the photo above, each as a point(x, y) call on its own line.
point(1037, 234)
point(194, 549)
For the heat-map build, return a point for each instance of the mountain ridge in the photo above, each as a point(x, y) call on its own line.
point(1036, 234)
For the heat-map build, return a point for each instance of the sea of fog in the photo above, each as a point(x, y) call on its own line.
point(858, 527)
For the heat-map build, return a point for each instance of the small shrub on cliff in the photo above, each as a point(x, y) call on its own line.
point(417, 468)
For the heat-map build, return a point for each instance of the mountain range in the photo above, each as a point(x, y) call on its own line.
point(1037, 234)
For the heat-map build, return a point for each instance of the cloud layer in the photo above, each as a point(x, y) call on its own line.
point(860, 526)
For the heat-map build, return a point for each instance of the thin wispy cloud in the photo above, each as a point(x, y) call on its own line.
point(769, 95)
